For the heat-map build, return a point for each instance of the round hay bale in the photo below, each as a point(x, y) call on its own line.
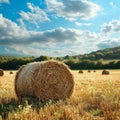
point(94, 71)
point(105, 72)
point(1, 72)
point(80, 71)
point(89, 70)
point(44, 80)
point(10, 72)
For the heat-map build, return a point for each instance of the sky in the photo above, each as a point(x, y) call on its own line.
point(58, 27)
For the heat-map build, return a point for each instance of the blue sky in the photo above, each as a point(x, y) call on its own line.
point(58, 27)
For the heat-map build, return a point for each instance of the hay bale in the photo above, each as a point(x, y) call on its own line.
point(89, 70)
point(1, 72)
point(105, 72)
point(80, 71)
point(10, 72)
point(94, 71)
point(44, 80)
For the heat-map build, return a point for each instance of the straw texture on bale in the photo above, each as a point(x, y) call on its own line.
point(1, 72)
point(105, 72)
point(44, 80)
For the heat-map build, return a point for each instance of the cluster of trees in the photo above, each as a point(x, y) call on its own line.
point(88, 64)
point(106, 54)
point(102, 59)
point(15, 63)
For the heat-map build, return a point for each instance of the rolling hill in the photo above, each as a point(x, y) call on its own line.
point(101, 59)
point(105, 54)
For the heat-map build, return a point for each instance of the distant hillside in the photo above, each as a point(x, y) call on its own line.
point(106, 54)
point(101, 59)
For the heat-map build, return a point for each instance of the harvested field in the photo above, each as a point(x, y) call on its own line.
point(95, 97)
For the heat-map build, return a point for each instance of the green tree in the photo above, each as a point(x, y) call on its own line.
point(42, 58)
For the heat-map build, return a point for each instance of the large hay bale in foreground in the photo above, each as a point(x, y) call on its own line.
point(105, 72)
point(44, 80)
point(1, 72)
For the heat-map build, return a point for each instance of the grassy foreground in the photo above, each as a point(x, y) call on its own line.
point(95, 97)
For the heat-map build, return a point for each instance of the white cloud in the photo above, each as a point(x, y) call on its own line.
point(23, 41)
point(55, 42)
point(27, 50)
point(73, 9)
point(113, 42)
point(112, 4)
point(10, 31)
point(22, 24)
point(35, 15)
point(110, 33)
point(83, 24)
point(4, 1)
point(112, 26)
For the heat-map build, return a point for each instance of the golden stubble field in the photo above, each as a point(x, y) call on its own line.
point(95, 97)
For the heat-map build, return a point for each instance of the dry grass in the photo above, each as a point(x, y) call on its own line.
point(95, 97)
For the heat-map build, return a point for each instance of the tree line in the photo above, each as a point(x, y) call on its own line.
point(101, 59)
point(15, 63)
point(88, 64)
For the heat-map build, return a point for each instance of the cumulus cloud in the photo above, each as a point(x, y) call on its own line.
point(13, 34)
point(55, 42)
point(73, 9)
point(112, 4)
point(25, 42)
point(110, 34)
point(10, 32)
point(109, 43)
point(4, 1)
point(27, 50)
point(83, 24)
point(35, 15)
point(112, 26)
